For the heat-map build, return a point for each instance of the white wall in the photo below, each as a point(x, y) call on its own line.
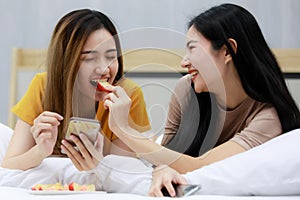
point(29, 23)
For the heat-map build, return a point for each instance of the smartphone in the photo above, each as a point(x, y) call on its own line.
point(182, 190)
point(89, 127)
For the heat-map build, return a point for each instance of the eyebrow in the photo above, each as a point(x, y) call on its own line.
point(87, 52)
point(191, 41)
point(94, 51)
point(110, 50)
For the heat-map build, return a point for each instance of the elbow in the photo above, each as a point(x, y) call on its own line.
point(7, 164)
point(4, 164)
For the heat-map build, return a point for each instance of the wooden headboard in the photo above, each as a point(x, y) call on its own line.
point(30, 59)
point(289, 60)
point(153, 61)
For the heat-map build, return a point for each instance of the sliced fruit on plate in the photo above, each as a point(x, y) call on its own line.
point(56, 186)
point(67, 187)
point(77, 187)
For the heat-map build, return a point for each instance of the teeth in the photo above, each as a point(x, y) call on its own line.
point(194, 73)
point(95, 82)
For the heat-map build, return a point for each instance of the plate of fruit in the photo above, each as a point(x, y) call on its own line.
point(62, 189)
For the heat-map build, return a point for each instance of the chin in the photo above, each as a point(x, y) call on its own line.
point(200, 88)
point(197, 90)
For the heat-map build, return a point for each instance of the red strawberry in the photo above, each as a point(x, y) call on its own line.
point(71, 186)
point(74, 186)
point(37, 187)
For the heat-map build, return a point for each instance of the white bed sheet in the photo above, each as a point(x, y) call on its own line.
point(13, 193)
point(121, 174)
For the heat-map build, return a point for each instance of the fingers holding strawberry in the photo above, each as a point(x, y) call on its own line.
point(118, 103)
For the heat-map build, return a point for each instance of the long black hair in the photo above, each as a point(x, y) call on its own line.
point(255, 63)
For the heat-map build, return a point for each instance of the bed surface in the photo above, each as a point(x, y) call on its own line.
point(280, 176)
point(19, 193)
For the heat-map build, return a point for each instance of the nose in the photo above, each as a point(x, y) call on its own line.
point(102, 70)
point(185, 62)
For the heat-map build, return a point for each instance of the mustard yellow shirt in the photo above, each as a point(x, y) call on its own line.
point(30, 106)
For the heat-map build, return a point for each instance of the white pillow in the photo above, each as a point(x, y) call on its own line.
point(269, 169)
point(5, 135)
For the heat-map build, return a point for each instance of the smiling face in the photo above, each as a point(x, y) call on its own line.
point(98, 62)
point(203, 63)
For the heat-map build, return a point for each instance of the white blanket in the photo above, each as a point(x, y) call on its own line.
point(270, 169)
point(23, 194)
point(113, 174)
point(51, 170)
point(119, 174)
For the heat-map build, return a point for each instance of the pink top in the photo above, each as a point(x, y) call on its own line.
point(250, 124)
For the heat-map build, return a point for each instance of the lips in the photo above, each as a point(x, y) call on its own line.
point(94, 82)
point(193, 73)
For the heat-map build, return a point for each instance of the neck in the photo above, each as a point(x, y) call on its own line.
point(235, 93)
point(234, 98)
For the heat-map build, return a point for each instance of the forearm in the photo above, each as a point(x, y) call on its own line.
point(159, 155)
point(27, 160)
point(155, 153)
point(118, 147)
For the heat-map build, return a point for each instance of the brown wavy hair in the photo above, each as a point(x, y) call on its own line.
point(63, 61)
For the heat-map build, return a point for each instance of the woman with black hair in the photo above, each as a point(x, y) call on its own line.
point(241, 95)
point(255, 90)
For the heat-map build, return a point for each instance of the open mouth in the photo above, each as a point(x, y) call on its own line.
point(194, 73)
point(101, 85)
point(96, 81)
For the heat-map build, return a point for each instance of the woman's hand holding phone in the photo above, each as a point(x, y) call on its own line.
point(164, 176)
point(86, 155)
point(44, 131)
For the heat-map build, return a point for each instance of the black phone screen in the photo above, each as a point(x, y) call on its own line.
point(182, 190)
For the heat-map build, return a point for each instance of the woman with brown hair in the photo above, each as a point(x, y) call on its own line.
point(84, 49)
